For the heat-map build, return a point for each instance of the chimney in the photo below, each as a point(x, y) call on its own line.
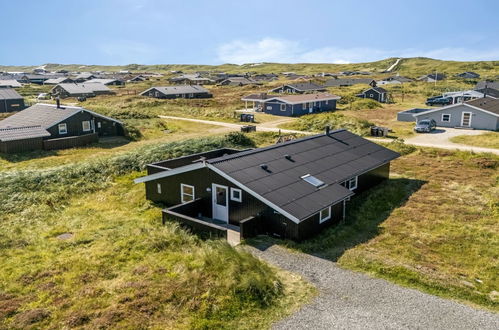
point(58, 102)
point(327, 130)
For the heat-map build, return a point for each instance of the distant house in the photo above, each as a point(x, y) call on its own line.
point(51, 126)
point(174, 92)
point(107, 82)
point(80, 90)
point(57, 81)
point(238, 81)
point(432, 77)
point(138, 78)
point(375, 93)
point(82, 77)
point(265, 77)
point(10, 100)
point(291, 190)
point(480, 113)
point(298, 105)
point(9, 83)
point(191, 79)
point(342, 82)
point(468, 75)
point(38, 79)
point(489, 88)
point(393, 80)
point(299, 88)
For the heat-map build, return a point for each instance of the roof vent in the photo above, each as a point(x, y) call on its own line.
point(264, 167)
point(288, 157)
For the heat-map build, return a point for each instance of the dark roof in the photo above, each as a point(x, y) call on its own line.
point(348, 82)
point(9, 83)
point(173, 90)
point(22, 133)
point(306, 86)
point(331, 158)
point(9, 94)
point(44, 115)
point(489, 92)
point(377, 89)
point(489, 84)
point(487, 104)
point(84, 88)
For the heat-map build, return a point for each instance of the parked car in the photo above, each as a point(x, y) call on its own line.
point(425, 126)
point(43, 96)
point(439, 101)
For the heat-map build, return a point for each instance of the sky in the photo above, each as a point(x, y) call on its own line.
point(119, 32)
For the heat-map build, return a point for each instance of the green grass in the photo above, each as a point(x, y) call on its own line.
point(486, 140)
point(335, 120)
point(432, 226)
point(120, 267)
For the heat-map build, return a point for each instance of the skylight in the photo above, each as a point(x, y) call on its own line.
point(313, 180)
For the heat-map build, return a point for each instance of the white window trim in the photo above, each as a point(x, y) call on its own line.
point(356, 180)
point(182, 192)
point(83, 126)
point(321, 219)
point(65, 131)
point(446, 114)
point(305, 105)
point(462, 118)
point(233, 198)
point(158, 188)
point(283, 107)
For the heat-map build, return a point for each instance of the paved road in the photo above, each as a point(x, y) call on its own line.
point(350, 300)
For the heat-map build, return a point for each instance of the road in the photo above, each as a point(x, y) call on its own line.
point(437, 139)
point(394, 65)
point(351, 300)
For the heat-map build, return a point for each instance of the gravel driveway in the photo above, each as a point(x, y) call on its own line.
point(440, 139)
point(350, 300)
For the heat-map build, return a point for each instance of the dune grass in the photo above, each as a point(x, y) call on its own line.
point(486, 140)
point(432, 226)
point(115, 265)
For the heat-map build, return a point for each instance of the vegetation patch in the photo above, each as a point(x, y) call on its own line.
point(317, 122)
point(486, 140)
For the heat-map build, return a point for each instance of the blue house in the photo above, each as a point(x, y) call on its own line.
point(298, 105)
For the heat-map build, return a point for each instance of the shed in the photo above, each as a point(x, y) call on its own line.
point(10, 100)
point(376, 93)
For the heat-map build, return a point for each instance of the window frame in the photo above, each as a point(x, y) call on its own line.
point(356, 180)
point(193, 196)
point(448, 120)
point(158, 188)
point(283, 106)
point(323, 219)
point(83, 126)
point(232, 198)
point(65, 131)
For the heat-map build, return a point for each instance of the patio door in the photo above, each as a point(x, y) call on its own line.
point(220, 202)
point(466, 119)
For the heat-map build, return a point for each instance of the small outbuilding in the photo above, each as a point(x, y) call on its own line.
point(375, 93)
point(10, 100)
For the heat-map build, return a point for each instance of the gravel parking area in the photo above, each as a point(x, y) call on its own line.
point(350, 300)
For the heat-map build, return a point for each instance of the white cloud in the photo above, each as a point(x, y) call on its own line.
point(287, 51)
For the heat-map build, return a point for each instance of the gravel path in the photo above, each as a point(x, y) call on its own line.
point(350, 300)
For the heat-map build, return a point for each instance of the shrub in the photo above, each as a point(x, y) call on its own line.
point(334, 120)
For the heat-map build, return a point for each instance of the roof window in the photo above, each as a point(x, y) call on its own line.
point(313, 181)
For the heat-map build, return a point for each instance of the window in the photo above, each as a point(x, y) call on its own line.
point(304, 105)
point(269, 107)
point(99, 124)
point(186, 193)
point(371, 95)
point(158, 188)
point(325, 214)
point(352, 183)
point(327, 102)
point(85, 125)
point(313, 180)
point(283, 107)
point(236, 195)
point(446, 117)
point(63, 128)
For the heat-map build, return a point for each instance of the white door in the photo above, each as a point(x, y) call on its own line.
point(220, 202)
point(466, 119)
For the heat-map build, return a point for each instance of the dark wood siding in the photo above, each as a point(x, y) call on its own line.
point(12, 105)
point(75, 126)
point(274, 108)
point(21, 145)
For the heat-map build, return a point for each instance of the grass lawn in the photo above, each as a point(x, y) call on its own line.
point(486, 140)
point(432, 226)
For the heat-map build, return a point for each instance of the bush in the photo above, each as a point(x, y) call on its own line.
point(362, 104)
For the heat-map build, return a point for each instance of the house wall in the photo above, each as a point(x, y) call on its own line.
point(12, 105)
point(479, 119)
point(152, 93)
point(75, 126)
point(202, 179)
point(380, 97)
point(293, 110)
